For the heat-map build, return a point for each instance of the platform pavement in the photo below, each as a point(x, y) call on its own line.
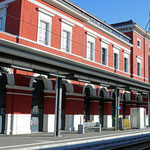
point(47, 140)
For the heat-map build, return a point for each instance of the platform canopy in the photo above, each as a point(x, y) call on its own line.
point(38, 61)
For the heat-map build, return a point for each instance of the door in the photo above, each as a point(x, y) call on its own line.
point(37, 106)
point(87, 104)
point(63, 107)
point(113, 109)
point(101, 112)
point(3, 82)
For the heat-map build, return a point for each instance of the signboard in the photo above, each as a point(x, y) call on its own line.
point(118, 107)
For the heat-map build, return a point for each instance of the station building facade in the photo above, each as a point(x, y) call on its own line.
point(65, 31)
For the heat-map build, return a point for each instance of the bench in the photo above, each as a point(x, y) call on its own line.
point(89, 125)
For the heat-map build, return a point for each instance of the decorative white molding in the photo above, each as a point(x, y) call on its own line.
point(116, 47)
point(49, 96)
point(19, 87)
point(127, 52)
point(105, 41)
point(45, 12)
point(76, 99)
point(55, 12)
point(23, 94)
point(138, 57)
point(67, 22)
point(75, 94)
point(90, 34)
point(105, 38)
point(49, 91)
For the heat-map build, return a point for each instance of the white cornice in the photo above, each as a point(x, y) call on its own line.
point(67, 9)
point(109, 33)
point(106, 39)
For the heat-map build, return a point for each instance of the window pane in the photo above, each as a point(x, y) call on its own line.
point(66, 41)
point(43, 32)
point(125, 64)
point(115, 60)
point(1, 23)
point(138, 69)
point(104, 55)
point(90, 50)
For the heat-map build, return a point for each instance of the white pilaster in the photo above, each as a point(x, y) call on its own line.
point(20, 124)
point(7, 124)
point(48, 123)
point(72, 122)
point(94, 118)
point(107, 121)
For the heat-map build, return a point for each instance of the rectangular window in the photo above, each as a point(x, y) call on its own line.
point(90, 49)
point(66, 41)
point(3, 14)
point(125, 64)
point(1, 23)
point(66, 35)
point(104, 56)
point(138, 43)
point(116, 61)
point(44, 27)
point(138, 69)
point(43, 32)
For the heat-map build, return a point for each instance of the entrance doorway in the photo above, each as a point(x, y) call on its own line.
point(63, 107)
point(3, 83)
point(113, 109)
point(37, 106)
point(101, 108)
point(87, 104)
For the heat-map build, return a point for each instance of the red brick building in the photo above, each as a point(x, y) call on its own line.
point(41, 39)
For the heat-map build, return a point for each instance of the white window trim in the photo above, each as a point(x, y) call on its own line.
point(140, 43)
point(3, 15)
point(116, 50)
point(46, 17)
point(126, 55)
point(66, 26)
point(92, 40)
point(104, 44)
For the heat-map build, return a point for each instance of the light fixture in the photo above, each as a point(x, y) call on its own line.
point(105, 85)
point(21, 68)
point(85, 81)
point(57, 75)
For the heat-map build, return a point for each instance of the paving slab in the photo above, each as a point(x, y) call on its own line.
point(47, 140)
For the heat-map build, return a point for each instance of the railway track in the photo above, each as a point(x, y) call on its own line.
point(139, 142)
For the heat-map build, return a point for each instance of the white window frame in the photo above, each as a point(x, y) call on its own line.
point(139, 60)
point(126, 55)
point(138, 40)
point(3, 13)
point(104, 44)
point(116, 51)
point(67, 27)
point(90, 39)
point(46, 17)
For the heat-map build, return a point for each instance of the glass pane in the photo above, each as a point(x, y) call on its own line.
point(104, 56)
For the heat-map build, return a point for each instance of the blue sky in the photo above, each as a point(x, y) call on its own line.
point(113, 11)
